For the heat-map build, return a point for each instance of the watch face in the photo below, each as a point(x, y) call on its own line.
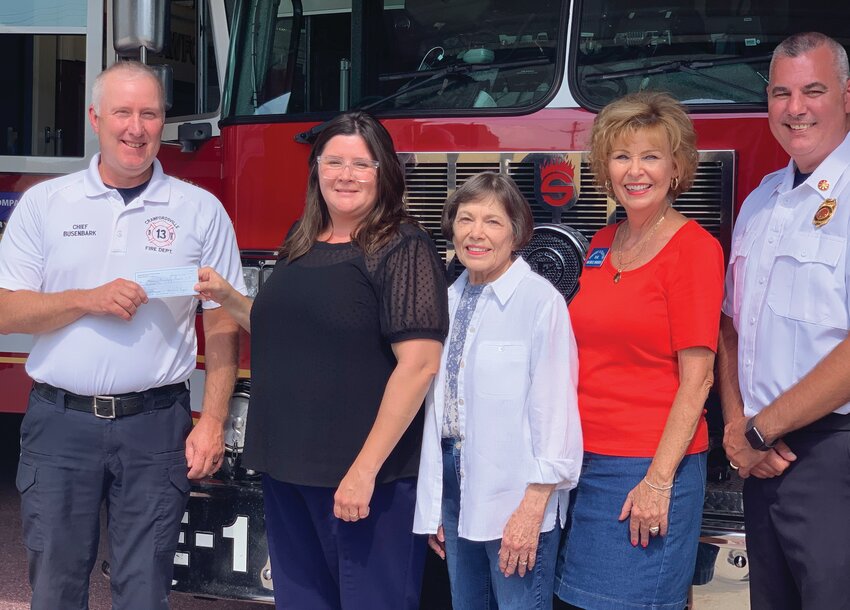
point(755, 438)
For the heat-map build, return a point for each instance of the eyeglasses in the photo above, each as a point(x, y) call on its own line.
point(362, 170)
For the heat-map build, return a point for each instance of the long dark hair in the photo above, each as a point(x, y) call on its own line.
point(389, 210)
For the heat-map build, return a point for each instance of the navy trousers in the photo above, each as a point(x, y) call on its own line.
point(73, 462)
point(322, 563)
point(798, 530)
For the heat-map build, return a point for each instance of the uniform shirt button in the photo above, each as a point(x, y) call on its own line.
point(118, 233)
point(752, 320)
point(762, 280)
point(770, 240)
point(460, 401)
point(803, 253)
point(472, 329)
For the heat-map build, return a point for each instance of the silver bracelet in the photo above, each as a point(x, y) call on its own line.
point(657, 487)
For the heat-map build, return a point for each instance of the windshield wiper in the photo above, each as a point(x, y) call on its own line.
point(676, 66)
point(690, 67)
point(307, 137)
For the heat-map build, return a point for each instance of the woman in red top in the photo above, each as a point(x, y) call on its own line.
point(646, 323)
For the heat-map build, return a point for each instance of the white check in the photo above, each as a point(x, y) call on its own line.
point(168, 282)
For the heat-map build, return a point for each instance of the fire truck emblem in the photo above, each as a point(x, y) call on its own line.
point(554, 183)
point(161, 232)
point(823, 185)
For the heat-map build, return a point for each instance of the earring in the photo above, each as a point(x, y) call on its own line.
point(608, 187)
point(674, 183)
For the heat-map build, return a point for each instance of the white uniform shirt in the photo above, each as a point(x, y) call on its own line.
point(74, 232)
point(519, 419)
point(787, 281)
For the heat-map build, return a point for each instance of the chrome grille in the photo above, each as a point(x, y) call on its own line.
point(431, 177)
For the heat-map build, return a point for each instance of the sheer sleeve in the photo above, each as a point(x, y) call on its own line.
point(413, 292)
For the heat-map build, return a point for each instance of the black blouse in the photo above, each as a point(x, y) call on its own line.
point(321, 335)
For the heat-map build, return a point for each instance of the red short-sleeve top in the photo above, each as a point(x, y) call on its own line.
point(628, 334)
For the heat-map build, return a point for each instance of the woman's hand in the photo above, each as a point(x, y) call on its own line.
point(648, 509)
point(437, 542)
point(522, 532)
point(212, 287)
point(352, 497)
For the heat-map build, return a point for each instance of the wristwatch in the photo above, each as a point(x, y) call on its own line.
point(755, 437)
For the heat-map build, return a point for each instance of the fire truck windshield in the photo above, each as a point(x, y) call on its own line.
point(702, 52)
point(495, 56)
point(411, 55)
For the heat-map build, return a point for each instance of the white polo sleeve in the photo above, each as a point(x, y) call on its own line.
point(22, 246)
point(220, 250)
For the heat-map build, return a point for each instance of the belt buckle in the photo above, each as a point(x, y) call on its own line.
point(104, 412)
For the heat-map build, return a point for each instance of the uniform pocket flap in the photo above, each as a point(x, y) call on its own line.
point(813, 248)
point(26, 476)
point(177, 475)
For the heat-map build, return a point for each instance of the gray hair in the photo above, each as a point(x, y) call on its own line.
point(132, 69)
point(804, 42)
point(498, 187)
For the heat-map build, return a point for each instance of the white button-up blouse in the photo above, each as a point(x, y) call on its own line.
point(519, 420)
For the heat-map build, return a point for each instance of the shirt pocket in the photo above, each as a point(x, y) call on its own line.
point(736, 278)
point(807, 281)
point(501, 369)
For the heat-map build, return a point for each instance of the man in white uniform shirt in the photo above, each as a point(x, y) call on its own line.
point(109, 418)
point(784, 354)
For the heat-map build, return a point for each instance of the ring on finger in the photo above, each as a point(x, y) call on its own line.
point(654, 530)
point(523, 562)
point(734, 466)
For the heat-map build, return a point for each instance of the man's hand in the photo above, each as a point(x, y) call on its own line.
point(120, 298)
point(205, 447)
point(762, 464)
point(775, 462)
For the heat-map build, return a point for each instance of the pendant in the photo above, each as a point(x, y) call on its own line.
point(617, 277)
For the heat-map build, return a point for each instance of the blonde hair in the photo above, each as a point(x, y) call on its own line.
point(635, 112)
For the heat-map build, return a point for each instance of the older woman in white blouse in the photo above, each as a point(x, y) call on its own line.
point(502, 442)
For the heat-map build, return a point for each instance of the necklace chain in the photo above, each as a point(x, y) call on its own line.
point(640, 246)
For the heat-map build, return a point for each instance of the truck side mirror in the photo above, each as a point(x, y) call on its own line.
point(138, 24)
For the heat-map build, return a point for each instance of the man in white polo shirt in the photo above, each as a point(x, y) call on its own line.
point(109, 417)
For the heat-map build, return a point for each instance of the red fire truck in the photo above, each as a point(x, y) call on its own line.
point(462, 85)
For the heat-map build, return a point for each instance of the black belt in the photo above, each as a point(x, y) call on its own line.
point(119, 405)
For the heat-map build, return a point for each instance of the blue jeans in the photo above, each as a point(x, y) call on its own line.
point(476, 581)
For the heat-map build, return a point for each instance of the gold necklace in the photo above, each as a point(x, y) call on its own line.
point(640, 247)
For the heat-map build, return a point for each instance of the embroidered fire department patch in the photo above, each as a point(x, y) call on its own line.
point(161, 231)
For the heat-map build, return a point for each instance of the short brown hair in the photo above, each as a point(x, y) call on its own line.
point(485, 186)
point(645, 110)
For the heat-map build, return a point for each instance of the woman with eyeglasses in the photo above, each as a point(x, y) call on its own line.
point(347, 335)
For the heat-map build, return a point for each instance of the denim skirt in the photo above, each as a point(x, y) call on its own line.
point(599, 569)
